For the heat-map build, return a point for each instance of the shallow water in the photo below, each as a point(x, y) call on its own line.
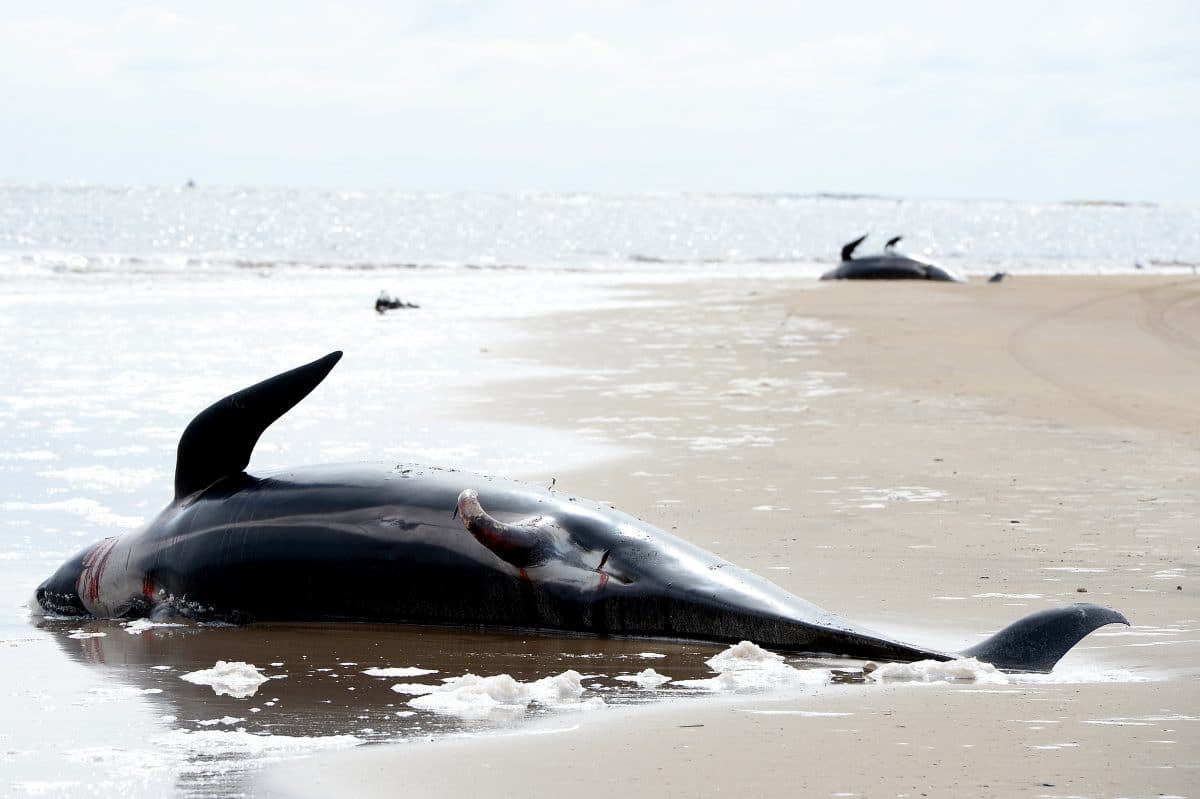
point(114, 715)
point(110, 707)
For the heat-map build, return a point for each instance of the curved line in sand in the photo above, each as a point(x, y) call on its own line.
point(1154, 319)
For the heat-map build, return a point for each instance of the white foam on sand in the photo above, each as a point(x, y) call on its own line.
point(473, 697)
point(961, 670)
point(646, 678)
point(139, 626)
point(1083, 675)
point(261, 748)
point(970, 670)
point(116, 693)
point(748, 667)
point(398, 671)
point(236, 679)
point(414, 688)
point(82, 634)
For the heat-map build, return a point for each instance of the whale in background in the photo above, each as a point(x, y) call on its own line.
point(420, 544)
point(888, 265)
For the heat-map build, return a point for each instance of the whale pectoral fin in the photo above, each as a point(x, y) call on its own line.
point(517, 544)
point(218, 442)
point(1038, 641)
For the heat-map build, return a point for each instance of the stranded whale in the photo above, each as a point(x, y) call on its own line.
point(889, 265)
point(422, 544)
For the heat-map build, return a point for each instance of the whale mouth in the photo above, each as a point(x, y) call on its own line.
point(59, 593)
point(57, 603)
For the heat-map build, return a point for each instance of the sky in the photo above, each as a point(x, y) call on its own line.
point(1019, 100)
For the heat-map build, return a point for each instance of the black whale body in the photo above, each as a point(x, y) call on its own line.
point(888, 265)
point(423, 544)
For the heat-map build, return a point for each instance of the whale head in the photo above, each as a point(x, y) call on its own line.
point(59, 593)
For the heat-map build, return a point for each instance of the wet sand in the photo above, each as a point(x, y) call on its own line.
point(934, 461)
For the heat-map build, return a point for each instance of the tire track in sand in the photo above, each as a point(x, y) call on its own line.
point(1156, 305)
point(1154, 318)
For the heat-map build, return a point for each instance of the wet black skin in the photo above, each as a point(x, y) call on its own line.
point(373, 543)
point(57, 594)
point(888, 265)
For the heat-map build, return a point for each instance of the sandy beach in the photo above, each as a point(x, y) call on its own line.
point(931, 460)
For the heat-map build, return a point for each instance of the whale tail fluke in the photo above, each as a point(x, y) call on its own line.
point(219, 441)
point(1036, 642)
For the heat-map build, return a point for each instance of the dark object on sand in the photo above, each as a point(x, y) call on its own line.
point(889, 265)
point(996, 278)
point(382, 543)
point(386, 302)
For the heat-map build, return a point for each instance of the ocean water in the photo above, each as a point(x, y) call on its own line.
point(140, 229)
point(126, 310)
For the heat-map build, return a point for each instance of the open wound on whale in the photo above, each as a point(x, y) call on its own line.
point(528, 543)
point(521, 544)
point(368, 543)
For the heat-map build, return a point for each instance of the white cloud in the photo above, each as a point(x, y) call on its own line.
point(931, 98)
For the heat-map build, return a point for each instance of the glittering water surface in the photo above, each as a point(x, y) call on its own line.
point(140, 229)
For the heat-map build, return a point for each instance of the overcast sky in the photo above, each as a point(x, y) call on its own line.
point(1043, 100)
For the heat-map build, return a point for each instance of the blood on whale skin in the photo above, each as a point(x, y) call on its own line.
point(428, 545)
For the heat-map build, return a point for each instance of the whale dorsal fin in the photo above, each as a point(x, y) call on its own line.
point(848, 250)
point(218, 442)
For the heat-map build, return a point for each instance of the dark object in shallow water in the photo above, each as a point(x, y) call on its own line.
point(386, 302)
point(889, 265)
point(996, 278)
point(422, 544)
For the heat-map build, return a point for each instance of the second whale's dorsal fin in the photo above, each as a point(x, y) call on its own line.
point(218, 442)
point(848, 250)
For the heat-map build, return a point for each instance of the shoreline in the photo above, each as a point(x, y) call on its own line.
point(975, 457)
